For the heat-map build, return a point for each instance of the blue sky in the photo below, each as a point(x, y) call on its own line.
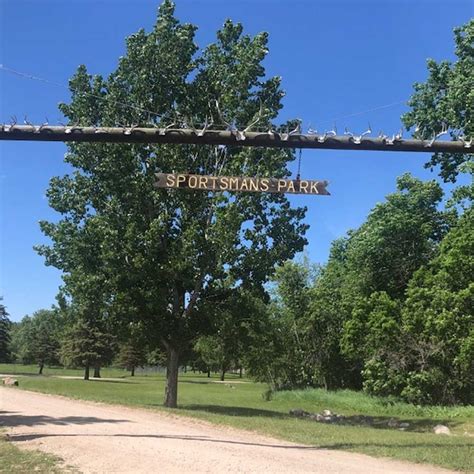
point(337, 58)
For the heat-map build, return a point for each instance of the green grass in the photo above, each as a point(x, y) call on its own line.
point(242, 405)
point(14, 460)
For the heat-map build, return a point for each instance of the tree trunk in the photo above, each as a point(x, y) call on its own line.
point(240, 373)
point(41, 365)
point(97, 372)
point(208, 374)
point(222, 373)
point(86, 372)
point(132, 372)
point(172, 367)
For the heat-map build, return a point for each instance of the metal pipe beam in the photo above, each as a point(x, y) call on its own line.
point(220, 137)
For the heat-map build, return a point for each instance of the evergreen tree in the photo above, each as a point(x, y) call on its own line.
point(5, 328)
point(85, 345)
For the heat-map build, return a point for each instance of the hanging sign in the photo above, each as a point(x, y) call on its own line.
point(240, 184)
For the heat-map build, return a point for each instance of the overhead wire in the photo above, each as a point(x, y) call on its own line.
point(150, 112)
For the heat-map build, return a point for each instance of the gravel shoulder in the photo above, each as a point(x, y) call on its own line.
point(99, 438)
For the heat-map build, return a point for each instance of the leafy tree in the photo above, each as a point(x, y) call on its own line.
point(19, 347)
point(278, 352)
point(36, 338)
point(5, 327)
point(159, 255)
point(293, 281)
point(212, 353)
point(446, 100)
point(327, 314)
point(438, 316)
point(266, 357)
point(233, 315)
point(399, 237)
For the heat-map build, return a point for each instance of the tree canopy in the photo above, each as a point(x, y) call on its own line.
point(159, 255)
point(446, 102)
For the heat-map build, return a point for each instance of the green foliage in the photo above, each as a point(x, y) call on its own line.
point(156, 255)
point(277, 353)
point(398, 237)
point(236, 318)
point(20, 342)
point(85, 345)
point(131, 356)
point(390, 312)
point(446, 100)
point(36, 338)
point(427, 356)
point(325, 324)
point(5, 328)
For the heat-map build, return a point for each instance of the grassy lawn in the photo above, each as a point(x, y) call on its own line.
point(14, 460)
point(242, 405)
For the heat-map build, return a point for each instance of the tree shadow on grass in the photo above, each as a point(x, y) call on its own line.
point(423, 425)
point(197, 382)
point(131, 382)
point(235, 411)
point(21, 374)
point(361, 421)
point(12, 419)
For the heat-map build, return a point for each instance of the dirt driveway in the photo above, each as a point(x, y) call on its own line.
point(98, 438)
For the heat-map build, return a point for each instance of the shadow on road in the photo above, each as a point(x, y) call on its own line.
point(12, 419)
point(205, 439)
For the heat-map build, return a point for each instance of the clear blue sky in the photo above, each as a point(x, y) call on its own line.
point(336, 58)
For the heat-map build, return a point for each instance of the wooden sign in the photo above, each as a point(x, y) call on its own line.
point(240, 184)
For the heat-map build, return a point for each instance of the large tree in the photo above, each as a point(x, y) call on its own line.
point(445, 102)
point(398, 237)
point(159, 255)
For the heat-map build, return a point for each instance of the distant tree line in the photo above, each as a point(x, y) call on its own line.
point(391, 312)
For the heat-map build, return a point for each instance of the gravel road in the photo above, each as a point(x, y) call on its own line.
point(98, 438)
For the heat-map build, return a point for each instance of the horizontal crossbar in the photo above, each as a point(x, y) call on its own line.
point(270, 139)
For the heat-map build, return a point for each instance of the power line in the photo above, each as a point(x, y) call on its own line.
point(32, 77)
point(25, 75)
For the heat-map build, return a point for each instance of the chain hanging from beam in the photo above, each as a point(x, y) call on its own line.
point(207, 136)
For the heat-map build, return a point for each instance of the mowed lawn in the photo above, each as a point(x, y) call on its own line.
point(240, 403)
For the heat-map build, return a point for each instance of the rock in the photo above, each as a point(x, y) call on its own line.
point(404, 425)
point(441, 429)
point(326, 413)
point(10, 381)
point(392, 423)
